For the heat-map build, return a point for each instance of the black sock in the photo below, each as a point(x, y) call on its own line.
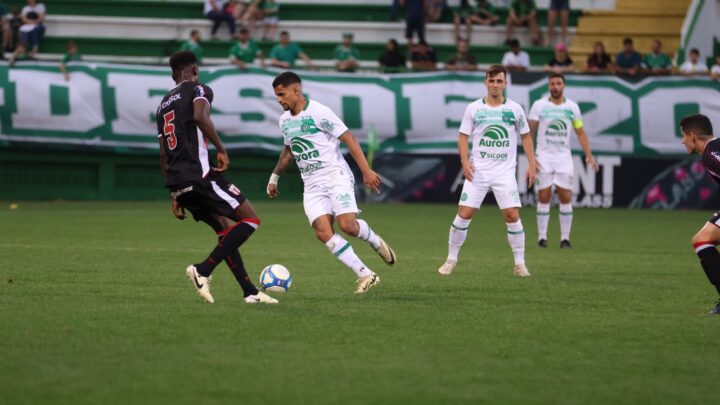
point(236, 265)
point(234, 237)
point(710, 261)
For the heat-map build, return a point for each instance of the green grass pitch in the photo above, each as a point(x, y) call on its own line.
point(96, 309)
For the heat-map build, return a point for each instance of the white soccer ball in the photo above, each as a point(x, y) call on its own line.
point(276, 278)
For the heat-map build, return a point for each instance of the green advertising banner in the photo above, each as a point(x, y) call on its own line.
point(113, 106)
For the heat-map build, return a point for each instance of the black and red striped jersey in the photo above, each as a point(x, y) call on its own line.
point(185, 146)
point(711, 159)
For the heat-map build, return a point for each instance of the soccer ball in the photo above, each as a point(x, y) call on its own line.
point(275, 277)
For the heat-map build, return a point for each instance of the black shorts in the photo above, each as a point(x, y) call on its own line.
point(559, 5)
point(208, 197)
point(715, 219)
point(415, 25)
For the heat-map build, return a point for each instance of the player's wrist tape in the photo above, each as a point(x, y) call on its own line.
point(274, 178)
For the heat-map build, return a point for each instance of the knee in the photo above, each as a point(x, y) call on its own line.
point(349, 227)
point(511, 217)
point(323, 235)
point(252, 221)
point(696, 238)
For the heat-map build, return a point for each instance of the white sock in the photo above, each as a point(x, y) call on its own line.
point(516, 239)
point(566, 216)
point(543, 218)
point(344, 252)
point(458, 232)
point(367, 234)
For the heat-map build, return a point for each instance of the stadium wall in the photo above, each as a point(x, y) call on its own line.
point(95, 138)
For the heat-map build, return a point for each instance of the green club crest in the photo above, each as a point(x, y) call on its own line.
point(464, 197)
point(327, 125)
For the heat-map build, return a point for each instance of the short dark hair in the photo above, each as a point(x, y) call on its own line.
point(284, 33)
point(698, 124)
point(193, 32)
point(182, 59)
point(695, 51)
point(244, 30)
point(557, 75)
point(286, 79)
point(627, 40)
point(494, 70)
point(513, 43)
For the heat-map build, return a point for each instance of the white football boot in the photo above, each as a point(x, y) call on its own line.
point(201, 284)
point(260, 298)
point(521, 270)
point(366, 283)
point(447, 268)
point(386, 252)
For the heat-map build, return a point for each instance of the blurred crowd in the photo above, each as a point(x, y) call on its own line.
point(255, 22)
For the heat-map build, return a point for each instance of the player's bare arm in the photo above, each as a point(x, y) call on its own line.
point(177, 210)
point(529, 150)
point(464, 151)
point(533, 127)
point(585, 144)
point(201, 115)
point(285, 160)
point(370, 178)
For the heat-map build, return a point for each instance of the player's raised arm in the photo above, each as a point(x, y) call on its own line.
point(201, 115)
point(284, 161)
point(464, 151)
point(370, 178)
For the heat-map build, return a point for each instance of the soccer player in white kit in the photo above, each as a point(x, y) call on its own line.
point(312, 134)
point(494, 123)
point(553, 119)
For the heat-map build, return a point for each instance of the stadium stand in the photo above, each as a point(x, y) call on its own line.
point(147, 31)
point(644, 21)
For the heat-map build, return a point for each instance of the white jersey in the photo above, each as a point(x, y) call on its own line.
point(494, 132)
point(312, 136)
point(555, 124)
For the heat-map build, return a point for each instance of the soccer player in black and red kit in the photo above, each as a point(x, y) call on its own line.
point(697, 136)
point(184, 129)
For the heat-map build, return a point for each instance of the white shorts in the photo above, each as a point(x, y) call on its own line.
point(555, 172)
point(329, 199)
point(271, 20)
point(504, 188)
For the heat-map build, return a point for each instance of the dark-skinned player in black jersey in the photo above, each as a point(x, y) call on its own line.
point(184, 129)
point(697, 136)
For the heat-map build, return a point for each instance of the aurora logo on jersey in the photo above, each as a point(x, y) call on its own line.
point(303, 149)
point(495, 136)
point(557, 128)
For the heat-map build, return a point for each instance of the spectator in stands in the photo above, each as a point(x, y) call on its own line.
point(285, 53)
point(516, 60)
point(71, 56)
point(694, 65)
point(346, 55)
point(247, 12)
point(415, 12)
point(5, 30)
point(628, 61)
point(245, 50)
point(436, 8)
point(271, 15)
point(463, 60)
point(523, 13)
point(483, 14)
point(21, 54)
point(562, 8)
point(193, 45)
point(715, 69)
point(215, 11)
point(460, 18)
point(392, 60)
point(657, 62)
point(423, 58)
point(561, 62)
point(15, 23)
point(599, 61)
point(32, 30)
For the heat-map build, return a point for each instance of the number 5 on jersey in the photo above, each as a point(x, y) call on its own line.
point(169, 129)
